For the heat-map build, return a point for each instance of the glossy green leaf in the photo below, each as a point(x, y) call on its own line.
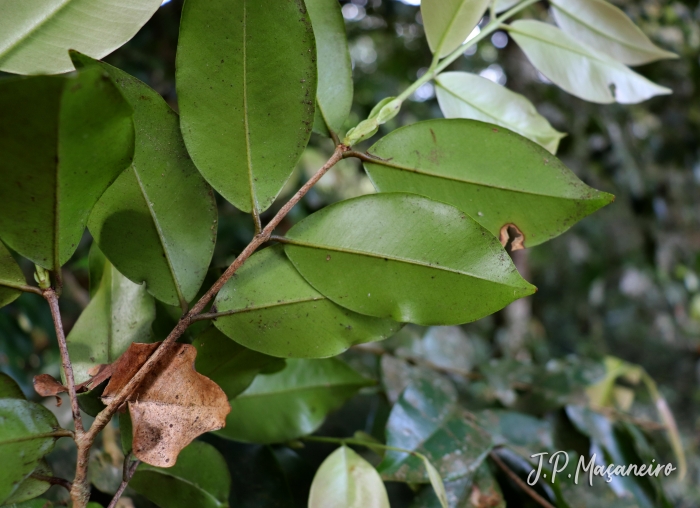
point(465, 95)
point(606, 28)
point(292, 402)
point(524, 434)
point(260, 479)
point(199, 478)
point(230, 365)
point(9, 389)
point(448, 23)
point(436, 482)
point(35, 36)
point(11, 277)
point(498, 177)
point(31, 487)
point(157, 222)
point(404, 257)
point(426, 419)
point(397, 374)
point(275, 311)
point(26, 435)
point(334, 93)
point(37, 503)
point(119, 313)
point(346, 480)
point(580, 70)
point(63, 140)
point(246, 83)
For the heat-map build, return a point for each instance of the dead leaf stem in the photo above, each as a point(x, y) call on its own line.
point(129, 470)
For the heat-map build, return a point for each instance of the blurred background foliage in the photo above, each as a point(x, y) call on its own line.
point(624, 282)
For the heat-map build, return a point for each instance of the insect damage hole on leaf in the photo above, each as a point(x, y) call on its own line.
point(512, 238)
point(172, 406)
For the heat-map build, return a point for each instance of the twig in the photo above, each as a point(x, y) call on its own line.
point(51, 297)
point(105, 416)
point(53, 480)
point(528, 490)
point(129, 470)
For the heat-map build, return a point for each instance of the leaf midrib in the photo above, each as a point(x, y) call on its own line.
point(249, 161)
point(388, 164)
point(559, 5)
point(161, 236)
point(13, 45)
point(252, 308)
point(325, 386)
point(345, 250)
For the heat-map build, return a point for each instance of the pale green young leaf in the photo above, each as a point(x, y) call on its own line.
point(495, 176)
point(346, 480)
point(268, 289)
point(504, 5)
point(448, 23)
point(25, 438)
point(606, 28)
point(157, 223)
point(119, 313)
point(435, 481)
point(35, 36)
point(199, 478)
point(580, 70)
point(64, 140)
point(335, 88)
point(465, 95)
point(291, 403)
point(11, 277)
point(246, 85)
point(404, 257)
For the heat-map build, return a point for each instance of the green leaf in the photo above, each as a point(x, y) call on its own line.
point(26, 435)
point(498, 177)
point(9, 389)
point(346, 480)
point(334, 93)
point(199, 478)
point(275, 311)
point(464, 95)
point(606, 28)
point(477, 491)
point(119, 313)
point(64, 140)
point(157, 222)
point(260, 479)
point(246, 84)
point(31, 487)
point(427, 420)
point(404, 257)
point(11, 277)
point(230, 365)
point(582, 71)
point(435, 482)
point(448, 23)
point(291, 403)
point(35, 36)
point(524, 434)
point(36, 503)
point(504, 5)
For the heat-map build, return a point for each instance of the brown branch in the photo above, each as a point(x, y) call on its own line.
point(53, 480)
point(51, 297)
point(519, 481)
point(129, 470)
point(106, 414)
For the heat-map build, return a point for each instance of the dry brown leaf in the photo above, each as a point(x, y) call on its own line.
point(172, 406)
point(47, 386)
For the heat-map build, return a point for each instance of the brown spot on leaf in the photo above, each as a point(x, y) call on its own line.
point(173, 405)
point(432, 133)
point(488, 499)
point(512, 238)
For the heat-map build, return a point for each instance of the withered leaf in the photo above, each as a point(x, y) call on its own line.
point(172, 406)
point(46, 386)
